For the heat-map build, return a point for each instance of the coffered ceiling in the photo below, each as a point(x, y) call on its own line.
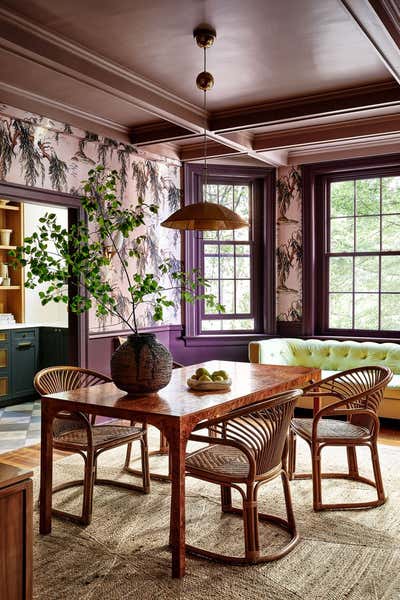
point(290, 76)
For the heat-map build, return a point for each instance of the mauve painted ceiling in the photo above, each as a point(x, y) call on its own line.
point(265, 49)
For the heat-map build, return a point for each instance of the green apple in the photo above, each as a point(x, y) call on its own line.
point(205, 377)
point(222, 374)
point(202, 371)
point(193, 376)
point(218, 378)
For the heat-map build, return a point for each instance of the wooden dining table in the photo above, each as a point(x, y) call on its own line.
point(175, 410)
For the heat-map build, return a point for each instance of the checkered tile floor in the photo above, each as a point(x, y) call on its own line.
point(19, 426)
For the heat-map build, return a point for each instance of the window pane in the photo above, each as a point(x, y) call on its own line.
point(342, 235)
point(227, 324)
point(242, 267)
point(211, 249)
point(391, 232)
point(225, 195)
point(367, 234)
point(226, 234)
point(390, 277)
point(366, 311)
point(211, 193)
point(225, 249)
point(366, 273)
point(391, 194)
point(241, 201)
point(210, 267)
point(243, 304)
point(210, 235)
point(227, 267)
point(340, 311)
point(368, 193)
point(242, 234)
point(227, 295)
point(213, 288)
point(390, 312)
point(340, 274)
point(242, 249)
point(342, 198)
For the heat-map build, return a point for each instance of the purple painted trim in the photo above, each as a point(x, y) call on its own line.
point(263, 197)
point(316, 179)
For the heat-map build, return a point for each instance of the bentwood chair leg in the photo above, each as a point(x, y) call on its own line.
point(144, 449)
point(226, 498)
point(352, 461)
point(377, 472)
point(288, 503)
point(291, 454)
point(250, 523)
point(316, 476)
point(88, 485)
point(128, 455)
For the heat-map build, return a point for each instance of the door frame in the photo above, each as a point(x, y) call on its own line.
point(77, 324)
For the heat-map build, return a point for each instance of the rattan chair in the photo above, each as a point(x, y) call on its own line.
point(246, 449)
point(359, 393)
point(77, 432)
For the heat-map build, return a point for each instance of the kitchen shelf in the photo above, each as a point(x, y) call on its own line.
point(6, 207)
point(10, 287)
point(8, 247)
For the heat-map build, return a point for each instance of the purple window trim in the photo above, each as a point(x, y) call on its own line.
point(262, 181)
point(316, 181)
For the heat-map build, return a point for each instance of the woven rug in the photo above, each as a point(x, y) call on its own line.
point(123, 554)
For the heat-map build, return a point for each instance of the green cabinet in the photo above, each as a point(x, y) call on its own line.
point(24, 361)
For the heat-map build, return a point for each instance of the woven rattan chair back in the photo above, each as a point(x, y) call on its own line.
point(62, 379)
point(262, 427)
point(363, 387)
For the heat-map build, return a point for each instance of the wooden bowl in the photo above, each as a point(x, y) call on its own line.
point(209, 386)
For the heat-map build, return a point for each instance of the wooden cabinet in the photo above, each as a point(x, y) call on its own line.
point(12, 296)
point(15, 533)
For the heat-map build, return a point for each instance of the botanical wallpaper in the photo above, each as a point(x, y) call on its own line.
point(37, 151)
point(289, 251)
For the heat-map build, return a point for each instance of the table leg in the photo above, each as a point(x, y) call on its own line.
point(46, 468)
point(177, 439)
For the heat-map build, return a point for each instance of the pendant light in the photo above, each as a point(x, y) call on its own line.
point(204, 216)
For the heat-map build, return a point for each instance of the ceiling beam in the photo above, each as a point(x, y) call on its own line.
point(159, 132)
point(379, 20)
point(353, 100)
point(302, 136)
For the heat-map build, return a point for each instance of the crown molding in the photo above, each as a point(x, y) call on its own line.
point(60, 111)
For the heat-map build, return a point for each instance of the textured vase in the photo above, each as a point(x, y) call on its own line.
point(141, 365)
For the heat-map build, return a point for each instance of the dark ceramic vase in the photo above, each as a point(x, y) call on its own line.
point(141, 365)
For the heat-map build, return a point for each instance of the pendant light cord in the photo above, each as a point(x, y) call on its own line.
point(205, 126)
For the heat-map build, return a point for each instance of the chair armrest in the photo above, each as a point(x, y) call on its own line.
point(228, 442)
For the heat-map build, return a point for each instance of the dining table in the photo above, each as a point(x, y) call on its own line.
point(175, 411)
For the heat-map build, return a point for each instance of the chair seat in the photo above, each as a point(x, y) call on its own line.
point(329, 428)
point(102, 434)
point(219, 460)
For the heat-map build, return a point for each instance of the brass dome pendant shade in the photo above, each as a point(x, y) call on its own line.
point(204, 216)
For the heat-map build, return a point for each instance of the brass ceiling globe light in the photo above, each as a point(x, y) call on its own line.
point(204, 216)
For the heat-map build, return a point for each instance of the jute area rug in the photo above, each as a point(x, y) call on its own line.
point(123, 554)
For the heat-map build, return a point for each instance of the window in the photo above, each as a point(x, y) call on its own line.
point(351, 275)
point(363, 254)
point(232, 260)
point(228, 258)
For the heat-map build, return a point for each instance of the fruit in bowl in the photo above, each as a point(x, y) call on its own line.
point(203, 380)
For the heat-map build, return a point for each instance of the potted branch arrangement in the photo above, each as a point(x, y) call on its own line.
point(81, 257)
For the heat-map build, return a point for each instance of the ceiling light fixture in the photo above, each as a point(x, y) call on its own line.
point(204, 216)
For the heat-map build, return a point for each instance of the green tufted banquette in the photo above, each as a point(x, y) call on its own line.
point(332, 356)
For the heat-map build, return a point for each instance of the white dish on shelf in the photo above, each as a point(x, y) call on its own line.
point(209, 386)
